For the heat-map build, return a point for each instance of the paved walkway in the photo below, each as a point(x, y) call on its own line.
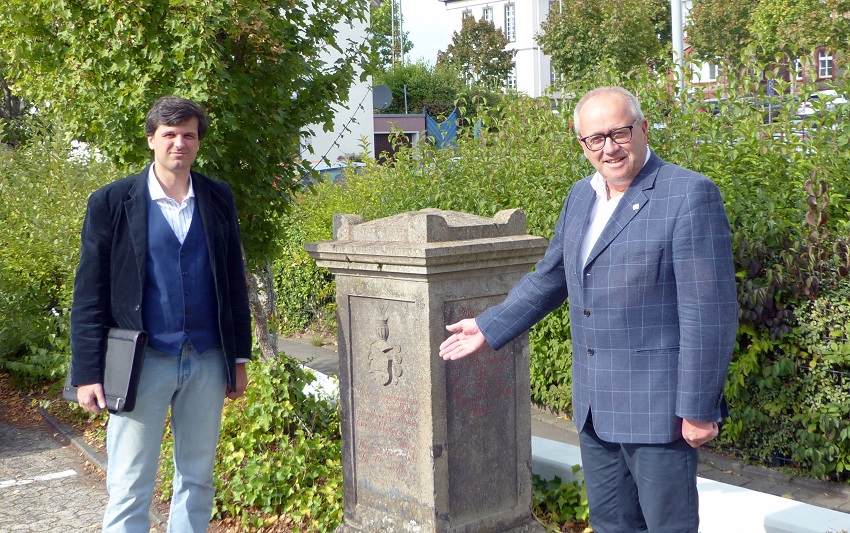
point(45, 485)
point(95, 462)
point(50, 480)
point(558, 428)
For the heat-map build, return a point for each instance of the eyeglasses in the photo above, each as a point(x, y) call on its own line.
point(596, 142)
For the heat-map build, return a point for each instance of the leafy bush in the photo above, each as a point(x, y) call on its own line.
point(790, 407)
point(43, 191)
point(502, 169)
point(279, 457)
point(821, 414)
point(304, 292)
point(556, 503)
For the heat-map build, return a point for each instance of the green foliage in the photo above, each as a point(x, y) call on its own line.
point(551, 361)
point(719, 28)
point(583, 38)
point(305, 292)
point(790, 25)
point(386, 36)
point(477, 53)
point(727, 28)
point(257, 66)
point(823, 413)
point(279, 455)
point(14, 115)
point(503, 169)
point(43, 193)
point(555, 503)
point(415, 86)
point(789, 407)
point(41, 364)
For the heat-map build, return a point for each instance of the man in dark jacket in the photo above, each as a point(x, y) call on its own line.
point(161, 252)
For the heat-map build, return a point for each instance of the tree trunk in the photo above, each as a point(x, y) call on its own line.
point(261, 298)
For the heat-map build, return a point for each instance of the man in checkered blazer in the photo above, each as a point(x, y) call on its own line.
point(642, 251)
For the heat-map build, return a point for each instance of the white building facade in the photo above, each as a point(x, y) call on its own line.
point(352, 120)
point(520, 20)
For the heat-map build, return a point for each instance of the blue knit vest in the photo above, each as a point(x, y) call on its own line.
point(179, 302)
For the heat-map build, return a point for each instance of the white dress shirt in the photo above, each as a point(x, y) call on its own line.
point(600, 213)
point(178, 215)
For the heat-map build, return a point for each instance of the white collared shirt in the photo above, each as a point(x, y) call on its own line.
point(600, 213)
point(179, 216)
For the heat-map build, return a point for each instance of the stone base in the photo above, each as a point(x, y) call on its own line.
point(531, 526)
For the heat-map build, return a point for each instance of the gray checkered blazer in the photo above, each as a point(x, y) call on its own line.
point(653, 313)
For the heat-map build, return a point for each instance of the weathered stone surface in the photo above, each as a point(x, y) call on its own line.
point(430, 445)
point(430, 226)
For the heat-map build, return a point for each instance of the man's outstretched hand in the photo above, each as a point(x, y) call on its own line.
point(466, 339)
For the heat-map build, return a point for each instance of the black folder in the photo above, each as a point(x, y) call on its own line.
point(125, 353)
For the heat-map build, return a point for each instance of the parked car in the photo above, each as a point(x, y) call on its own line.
point(334, 172)
point(830, 98)
point(711, 105)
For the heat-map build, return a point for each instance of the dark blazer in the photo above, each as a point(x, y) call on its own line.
point(653, 313)
point(110, 279)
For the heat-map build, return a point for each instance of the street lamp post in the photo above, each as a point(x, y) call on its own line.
point(678, 39)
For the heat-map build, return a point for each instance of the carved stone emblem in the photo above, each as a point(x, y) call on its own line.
point(384, 358)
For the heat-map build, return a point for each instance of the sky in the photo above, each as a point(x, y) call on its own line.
point(424, 22)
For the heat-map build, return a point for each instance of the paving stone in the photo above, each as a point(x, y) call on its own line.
point(768, 487)
point(722, 463)
point(35, 504)
point(766, 474)
point(724, 477)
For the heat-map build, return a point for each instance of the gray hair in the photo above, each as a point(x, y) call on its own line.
point(626, 95)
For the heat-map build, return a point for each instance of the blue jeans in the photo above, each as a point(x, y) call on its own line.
point(636, 488)
point(193, 386)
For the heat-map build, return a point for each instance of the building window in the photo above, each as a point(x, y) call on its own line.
point(510, 22)
point(466, 14)
point(488, 15)
point(553, 76)
point(824, 64)
point(798, 69)
point(713, 72)
point(706, 73)
point(512, 79)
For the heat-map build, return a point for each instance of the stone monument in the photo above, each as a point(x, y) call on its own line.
point(430, 445)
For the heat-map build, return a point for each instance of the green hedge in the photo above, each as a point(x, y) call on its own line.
point(44, 186)
point(789, 234)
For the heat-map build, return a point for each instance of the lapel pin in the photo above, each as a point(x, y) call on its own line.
point(635, 207)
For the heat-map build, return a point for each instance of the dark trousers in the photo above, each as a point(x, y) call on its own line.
point(640, 487)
